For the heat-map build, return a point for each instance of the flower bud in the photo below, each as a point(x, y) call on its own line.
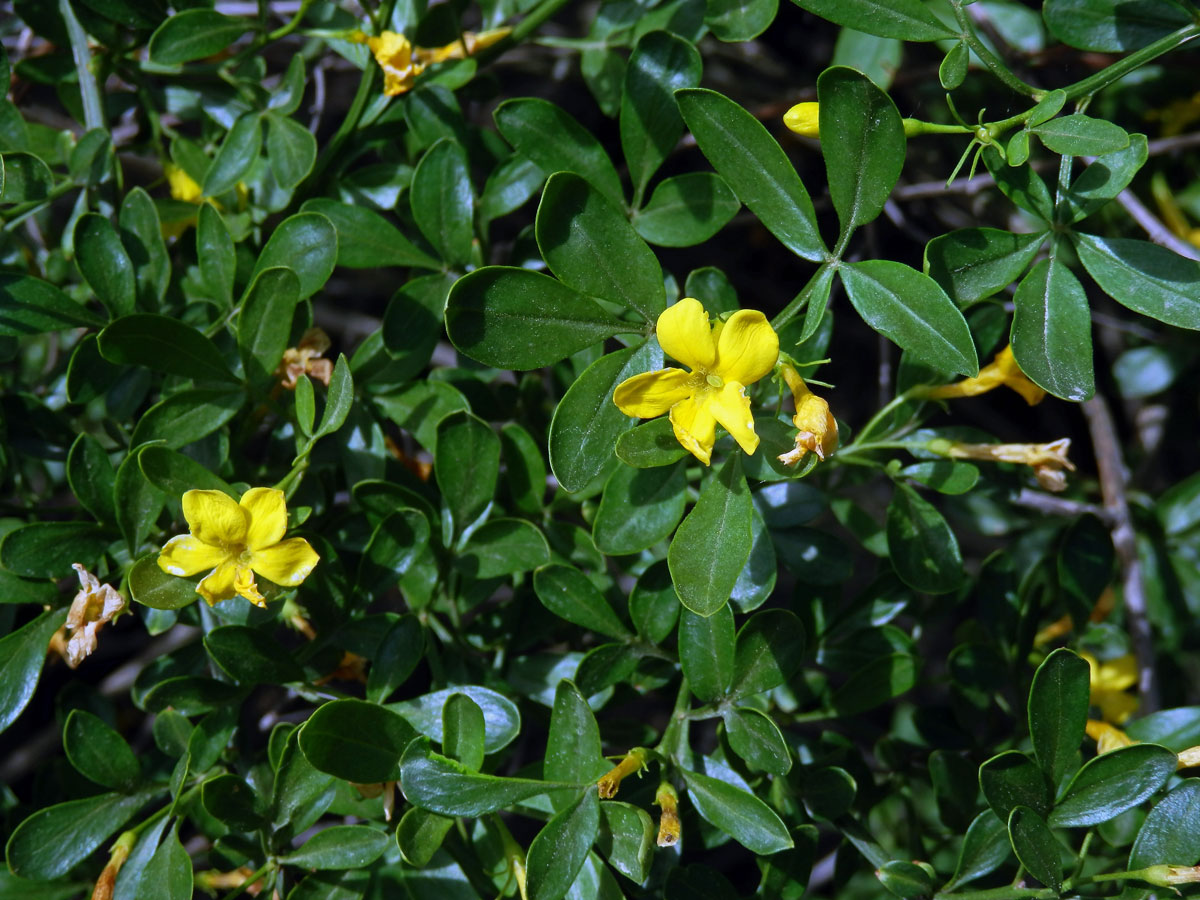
point(803, 119)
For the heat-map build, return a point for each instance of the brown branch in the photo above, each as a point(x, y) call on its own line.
point(1057, 506)
point(1113, 480)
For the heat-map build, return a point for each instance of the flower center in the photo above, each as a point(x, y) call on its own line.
point(714, 380)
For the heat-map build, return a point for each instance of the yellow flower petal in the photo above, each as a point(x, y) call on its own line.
point(747, 347)
point(685, 334)
point(185, 555)
point(219, 584)
point(287, 563)
point(1116, 674)
point(731, 407)
point(695, 427)
point(214, 517)
point(266, 512)
point(804, 119)
point(1115, 706)
point(651, 393)
point(244, 584)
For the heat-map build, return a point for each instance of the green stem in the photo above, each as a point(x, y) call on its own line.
point(349, 125)
point(18, 214)
point(798, 302)
point(915, 127)
point(876, 420)
point(89, 93)
point(989, 59)
point(268, 866)
point(291, 26)
point(1135, 60)
point(1000, 893)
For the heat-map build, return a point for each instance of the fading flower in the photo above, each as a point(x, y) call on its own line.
point(724, 357)
point(804, 119)
point(1047, 460)
point(1167, 876)
point(818, 431)
point(211, 880)
point(470, 44)
point(305, 359)
point(669, 827)
point(1109, 684)
point(1002, 371)
point(633, 761)
point(385, 789)
point(237, 540)
point(93, 606)
point(117, 855)
point(352, 668)
point(395, 56)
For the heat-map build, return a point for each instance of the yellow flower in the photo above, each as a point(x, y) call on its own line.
point(724, 357)
point(235, 541)
point(93, 605)
point(1107, 737)
point(183, 186)
point(1109, 683)
point(1002, 370)
point(633, 761)
point(470, 44)
point(1047, 460)
point(804, 119)
point(395, 56)
point(818, 429)
point(669, 828)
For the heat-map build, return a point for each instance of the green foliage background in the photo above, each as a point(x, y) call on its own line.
point(846, 670)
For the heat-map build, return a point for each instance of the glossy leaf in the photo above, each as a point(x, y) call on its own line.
point(467, 466)
point(923, 548)
point(1111, 26)
point(443, 201)
point(558, 851)
point(984, 849)
point(1036, 847)
point(1058, 711)
point(163, 344)
point(972, 264)
point(339, 847)
point(769, 651)
point(639, 508)
point(686, 209)
point(1052, 331)
point(356, 740)
point(235, 156)
point(738, 813)
point(439, 784)
point(265, 322)
point(22, 653)
point(1171, 830)
point(1012, 779)
point(567, 592)
point(194, 34)
point(31, 306)
point(105, 264)
point(306, 243)
point(1080, 135)
point(251, 656)
point(908, 20)
point(1111, 783)
point(502, 719)
point(1144, 277)
point(503, 547)
point(366, 240)
point(706, 652)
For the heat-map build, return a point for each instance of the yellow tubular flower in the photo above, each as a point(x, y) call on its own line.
point(724, 357)
point(818, 431)
point(1109, 684)
point(804, 119)
point(235, 541)
point(470, 44)
point(1047, 460)
point(395, 56)
point(669, 827)
point(634, 761)
point(1002, 370)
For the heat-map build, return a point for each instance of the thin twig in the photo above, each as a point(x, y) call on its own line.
point(1113, 479)
point(1154, 228)
point(1057, 506)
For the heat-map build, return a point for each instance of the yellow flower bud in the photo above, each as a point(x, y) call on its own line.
point(818, 432)
point(669, 827)
point(634, 761)
point(803, 119)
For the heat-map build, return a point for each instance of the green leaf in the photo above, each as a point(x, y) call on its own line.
point(1171, 830)
point(265, 322)
point(509, 187)
point(650, 122)
point(559, 850)
point(1105, 178)
point(141, 233)
point(503, 547)
point(1080, 135)
point(339, 847)
point(1112, 26)
point(524, 468)
point(650, 444)
point(573, 750)
point(395, 544)
point(26, 179)
point(441, 785)
point(194, 34)
point(911, 310)
point(946, 476)
point(685, 210)
point(769, 651)
point(137, 502)
point(356, 740)
point(1020, 184)
point(908, 20)
point(54, 839)
point(922, 547)
point(738, 813)
point(300, 794)
point(1144, 277)
point(639, 508)
point(513, 318)
point(1052, 331)
point(351, 884)
point(251, 656)
point(882, 679)
point(399, 651)
point(1012, 779)
point(711, 546)
point(168, 874)
point(443, 201)
point(570, 595)
point(91, 477)
point(31, 306)
point(366, 240)
point(47, 549)
point(338, 399)
point(905, 879)
point(291, 150)
point(306, 243)
point(953, 70)
point(463, 730)
point(755, 166)
point(420, 835)
point(1036, 847)
point(22, 653)
point(586, 423)
point(215, 254)
point(756, 738)
point(105, 264)
point(862, 140)
point(972, 264)
point(1111, 783)
point(739, 20)
point(626, 839)
point(163, 344)
point(653, 604)
point(466, 466)
point(1058, 711)
point(502, 719)
point(706, 652)
point(237, 153)
point(151, 586)
point(232, 802)
point(984, 849)
point(556, 142)
point(187, 416)
point(592, 248)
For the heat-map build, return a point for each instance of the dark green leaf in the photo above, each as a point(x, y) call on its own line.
point(31, 306)
point(1080, 135)
point(467, 466)
point(47, 549)
point(1036, 847)
point(1058, 707)
point(463, 730)
point(265, 322)
point(1052, 331)
point(639, 508)
point(945, 476)
point(441, 785)
point(168, 874)
point(251, 656)
point(1012, 779)
point(756, 738)
point(1112, 26)
point(1144, 277)
point(706, 652)
point(163, 344)
point(396, 543)
point(653, 604)
point(1020, 184)
point(420, 835)
point(235, 156)
point(503, 547)
point(1105, 178)
point(443, 201)
point(558, 852)
point(194, 34)
point(232, 802)
point(923, 548)
point(26, 179)
point(501, 717)
point(141, 233)
point(573, 750)
point(685, 210)
point(21, 656)
point(105, 264)
point(187, 416)
point(626, 839)
point(1111, 783)
point(739, 20)
point(984, 849)
point(306, 243)
point(1171, 831)
point(879, 681)
point(398, 653)
point(650, 444)
point(972, 264)
point(137, 501)
point(291, 150)
point(568, 593)
point(366, 240)
point(215, 254)
point(151, 586)
point(339, 847)
point(770, 649)
point(908, 20)
point(91, 477)
point(738, 813)
point(356, 740)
